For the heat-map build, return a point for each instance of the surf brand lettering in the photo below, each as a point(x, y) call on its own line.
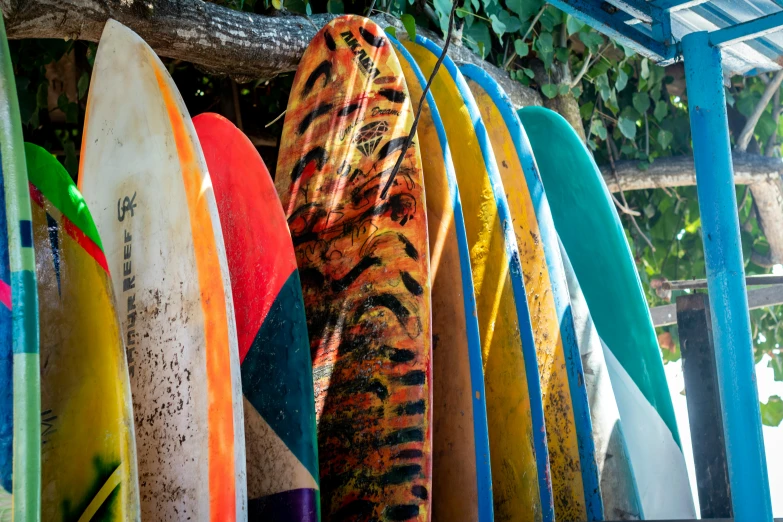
point(377, 111)
point(127, 204)
point(128, 281)
point(362, 58)
point(349, 128)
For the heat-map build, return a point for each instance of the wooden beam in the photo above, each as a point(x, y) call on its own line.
point(757, 298)
point(705, 415)
point(220, 40)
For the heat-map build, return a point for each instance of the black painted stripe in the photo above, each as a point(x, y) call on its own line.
point(329, 41)
point(312, 115)
point(413, 378)
point(324, 69)
point(400, 474)
point(391, 147)
point(318, 154)
point(385, 301)
point(393, 95)
point(411, 408)
point(408, 454)
point(370, 38)
point(420, 492)
point(410, 250)
point(338, 285)
point(404, 435)
point(411, 284)
point(401, 512)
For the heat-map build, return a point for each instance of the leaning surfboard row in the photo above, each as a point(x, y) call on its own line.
point(389, 330)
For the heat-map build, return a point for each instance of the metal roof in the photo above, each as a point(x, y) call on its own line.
point(747, 30)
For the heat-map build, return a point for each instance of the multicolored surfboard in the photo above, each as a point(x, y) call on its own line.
point(274, 350)
point(618, 483)
point(364, 263)
point(144, 177)
point(572, 462)
point(581, 205)
point(517, 436)
point(20, 399)
point(88, 453)
point(461, 473)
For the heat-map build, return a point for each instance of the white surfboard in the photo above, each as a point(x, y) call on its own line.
point(145, 180)
point(615, 472)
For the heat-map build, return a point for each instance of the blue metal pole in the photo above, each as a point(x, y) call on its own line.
point(726, 280)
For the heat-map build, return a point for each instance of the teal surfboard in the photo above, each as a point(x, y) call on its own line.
point(20, 401)
point(593, 237)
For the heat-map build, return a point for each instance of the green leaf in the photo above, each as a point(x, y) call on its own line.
point(586, 110)
point(544, 46)
point(772, 411)
point(512, 23)
point(627, 126)
point(563, 89)
point(521, 48)
point(573, 25)
point(478, 38)
point(336, 7)
point(525, 9)
point(665, 138)
point(497, 26)
point(529, 73)
point(410, 26)
point(561, 53)
point(443, 10)
point(592, 40)
point(577, 92)
point(776, 363)
point(641, 102)
point(83, 84)
point(551, 18)
point(661, 110)
point(308, 9)
point(622, 80)
point(42, 95)
point(645, 69)
point(391, 30)
point(692, 227)
point(549, 90)
point(598, 129)
point(277, 4)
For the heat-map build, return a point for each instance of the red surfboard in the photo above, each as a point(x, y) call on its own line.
point(274, 349)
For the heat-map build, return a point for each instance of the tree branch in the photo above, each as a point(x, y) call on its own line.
point(678, 171)
point(220, 40)
point(747, 132)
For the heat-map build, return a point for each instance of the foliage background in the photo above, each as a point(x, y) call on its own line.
point(628, 107)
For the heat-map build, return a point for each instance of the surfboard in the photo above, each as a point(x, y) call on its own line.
point(618, 483)
point(604, 267)
point(274, 350)
point(517, 436)
point(144, 177)
point(88, 454)
point(20, 402)
point(575, 484)
point(363, 260)
point(461, 473)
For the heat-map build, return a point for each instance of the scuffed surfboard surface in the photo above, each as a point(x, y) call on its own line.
point(618, 483)
point(363, 262)
point(20, 407)
point(520, 468)
point(88, 454)
point(145, 181)
point(274, 350)
point(575, 485)
point(461, 473)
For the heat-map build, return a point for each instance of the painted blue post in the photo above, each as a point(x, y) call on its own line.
point(726, 280)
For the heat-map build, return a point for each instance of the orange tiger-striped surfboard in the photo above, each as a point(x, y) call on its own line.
point(363, 262)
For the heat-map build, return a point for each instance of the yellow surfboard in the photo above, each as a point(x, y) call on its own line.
point(88, 454)
point(460, 443)
point(575, 484)
point(516, 431)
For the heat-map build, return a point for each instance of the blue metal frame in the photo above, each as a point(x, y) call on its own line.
point(637, 24)
point(726, 279)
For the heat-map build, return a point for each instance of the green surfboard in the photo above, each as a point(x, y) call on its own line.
point(20, 402)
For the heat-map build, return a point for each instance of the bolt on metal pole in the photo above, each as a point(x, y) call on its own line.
point(726, 280)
